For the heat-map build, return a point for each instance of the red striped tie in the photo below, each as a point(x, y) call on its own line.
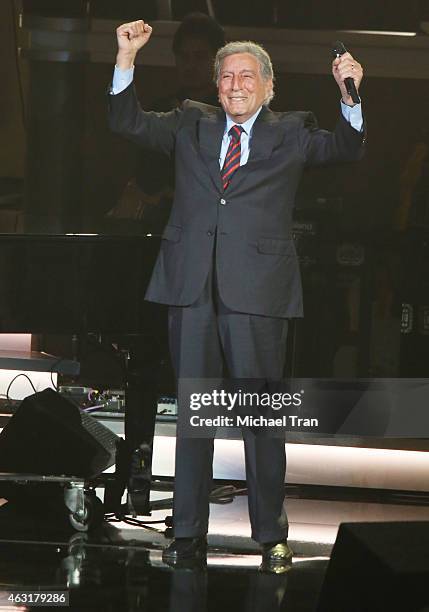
point(233, 155)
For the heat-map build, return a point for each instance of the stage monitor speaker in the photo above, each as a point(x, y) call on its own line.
point(377, 567)
point(49, 435)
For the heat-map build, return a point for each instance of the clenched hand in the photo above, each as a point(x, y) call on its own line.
point(131, 38)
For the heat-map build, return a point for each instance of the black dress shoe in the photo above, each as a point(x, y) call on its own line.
point(184, 550)
point(276, 557)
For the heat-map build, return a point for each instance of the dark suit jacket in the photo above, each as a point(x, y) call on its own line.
point(256, 262)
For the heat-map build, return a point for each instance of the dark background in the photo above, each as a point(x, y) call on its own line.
point(363, 258)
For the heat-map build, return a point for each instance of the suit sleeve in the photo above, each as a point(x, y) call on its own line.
point(319, 146)
point(148, 129)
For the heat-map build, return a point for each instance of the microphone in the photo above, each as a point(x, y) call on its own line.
point(337, 51)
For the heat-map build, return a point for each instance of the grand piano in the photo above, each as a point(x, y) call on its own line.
point(75, 283)
point(81, 284)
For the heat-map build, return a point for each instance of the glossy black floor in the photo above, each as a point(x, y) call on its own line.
point(119, 566)
point(125, 578)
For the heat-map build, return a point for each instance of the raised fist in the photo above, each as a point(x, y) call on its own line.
point(133, 36)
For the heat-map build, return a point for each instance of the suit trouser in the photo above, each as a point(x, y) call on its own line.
point(203, 337)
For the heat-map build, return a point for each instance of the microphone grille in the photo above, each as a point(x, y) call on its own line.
point(338, 48)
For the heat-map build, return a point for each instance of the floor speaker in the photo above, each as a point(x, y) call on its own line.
point(49, 435)
point(377, 567)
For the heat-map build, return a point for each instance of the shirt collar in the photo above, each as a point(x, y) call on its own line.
point(247, 125)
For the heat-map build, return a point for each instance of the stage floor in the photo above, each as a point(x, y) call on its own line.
point(119, 567)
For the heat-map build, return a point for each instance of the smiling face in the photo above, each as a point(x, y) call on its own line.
point(241, 88)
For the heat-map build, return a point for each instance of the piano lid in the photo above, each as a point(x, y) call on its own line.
point(75, 283)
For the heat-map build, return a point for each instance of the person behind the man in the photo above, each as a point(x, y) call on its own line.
point(227, 266)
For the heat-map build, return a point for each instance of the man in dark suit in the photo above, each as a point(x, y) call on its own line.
point(227, 266)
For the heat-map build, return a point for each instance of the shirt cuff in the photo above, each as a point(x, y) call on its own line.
point(353, 115)
point(121, 79)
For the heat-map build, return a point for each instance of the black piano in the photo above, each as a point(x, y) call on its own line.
point(75, 283)
point(80, 284)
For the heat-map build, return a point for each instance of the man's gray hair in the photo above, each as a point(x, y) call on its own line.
point(246, 46)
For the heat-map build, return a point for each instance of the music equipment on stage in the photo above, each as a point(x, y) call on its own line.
point(414, 300)
point(333, 338)
point(378, 566)
point(76, 284)
point(49, 434)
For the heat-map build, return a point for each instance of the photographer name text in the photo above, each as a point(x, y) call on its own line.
point(291, 420)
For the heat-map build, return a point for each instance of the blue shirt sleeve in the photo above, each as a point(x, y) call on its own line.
point(121, 79)
point(353, 114)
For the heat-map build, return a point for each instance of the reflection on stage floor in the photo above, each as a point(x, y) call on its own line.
point(119, 566)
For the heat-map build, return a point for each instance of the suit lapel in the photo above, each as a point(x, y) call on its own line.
point(264, 137)
point(211, 130)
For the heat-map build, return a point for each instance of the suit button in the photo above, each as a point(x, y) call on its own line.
point(209, 233)
point(223, 201)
